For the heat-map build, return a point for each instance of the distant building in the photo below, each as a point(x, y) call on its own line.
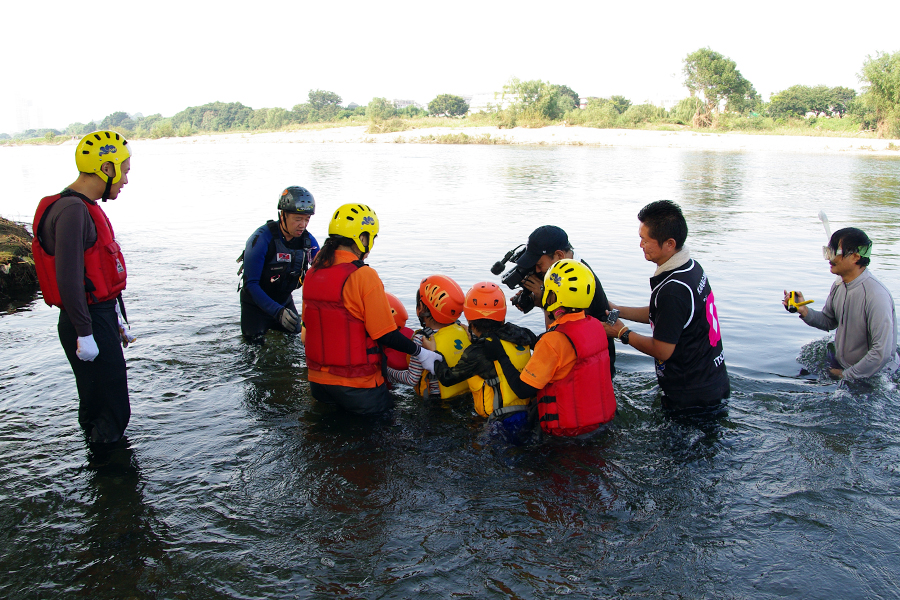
point(489, 101)
point(406, 103)
point(352, 106)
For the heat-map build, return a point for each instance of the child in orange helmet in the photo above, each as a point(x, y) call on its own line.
point(485, 310)
point(396, 360)
point(439, 303)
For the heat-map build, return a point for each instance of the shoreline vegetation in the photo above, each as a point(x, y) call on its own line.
point(721, 101)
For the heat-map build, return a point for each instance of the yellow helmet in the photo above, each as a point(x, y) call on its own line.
point(351, 221)
point(100, 147)
point(572, 282)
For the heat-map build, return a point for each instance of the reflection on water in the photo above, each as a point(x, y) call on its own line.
point(234, 484)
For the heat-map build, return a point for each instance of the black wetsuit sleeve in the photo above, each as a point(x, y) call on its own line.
point(73, 224)
point(513, 375)
point(471, 363)
point(399, 342)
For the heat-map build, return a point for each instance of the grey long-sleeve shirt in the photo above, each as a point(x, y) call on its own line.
point(863, 313)
point(68, 229)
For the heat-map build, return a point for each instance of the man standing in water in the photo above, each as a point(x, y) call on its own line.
point(275, 262)
point(859, 306)
point(547, 245)
point(686, 341)
point(81, 270)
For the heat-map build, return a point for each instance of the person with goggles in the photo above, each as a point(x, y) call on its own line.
point(858, 306)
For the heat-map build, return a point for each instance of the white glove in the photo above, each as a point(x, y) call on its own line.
point(124, 332)
point(288, 319)
point(428, 358)
point(86, 348)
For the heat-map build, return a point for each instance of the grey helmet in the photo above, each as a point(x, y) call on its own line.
point(297, 200)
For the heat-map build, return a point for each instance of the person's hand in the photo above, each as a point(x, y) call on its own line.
point(430, 343)
point(288, 319)
point(427, 358)
point(535, 285)
point(126, 336)
point(836, 373)
point(86, 348)
point(798, 298)
point(614, 329)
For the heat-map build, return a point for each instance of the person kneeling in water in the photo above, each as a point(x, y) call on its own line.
point(346, 317)
point(439, 303)
point(569, 370)
point(485, 310)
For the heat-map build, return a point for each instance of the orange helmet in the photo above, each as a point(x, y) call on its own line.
point(443, 297)
point(485, 301)
point(398, 310)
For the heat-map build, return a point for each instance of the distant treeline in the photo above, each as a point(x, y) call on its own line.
point(721, 98)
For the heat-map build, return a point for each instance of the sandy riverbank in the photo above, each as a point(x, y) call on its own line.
point(565, 136)
point(559, 136)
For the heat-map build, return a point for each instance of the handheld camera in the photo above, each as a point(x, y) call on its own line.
point(792, 304)
point(612, 317)
point(523, 300)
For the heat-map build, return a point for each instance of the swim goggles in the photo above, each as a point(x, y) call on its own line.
point(829, 254)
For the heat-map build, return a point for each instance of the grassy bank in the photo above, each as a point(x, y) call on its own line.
point(647, 119)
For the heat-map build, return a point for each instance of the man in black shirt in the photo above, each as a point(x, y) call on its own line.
point(686, 340)
point(546, 246)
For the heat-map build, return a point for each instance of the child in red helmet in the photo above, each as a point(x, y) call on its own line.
point(396, 360)
point(485, 310)
point(439, 303)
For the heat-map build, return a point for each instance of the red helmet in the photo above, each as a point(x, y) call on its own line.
point(398, 310)
point(485, 301)
point(443, 297)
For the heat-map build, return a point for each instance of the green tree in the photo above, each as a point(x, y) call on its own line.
point(117, 119)
point(325, 104)
point(219, 116)
point(380, 109)
point(448, 105)
point(792, 102)
point(881, 76)
point(534, 100)
point(621, 103)
point(717, 79)
point(564, 91)
point(840, 100)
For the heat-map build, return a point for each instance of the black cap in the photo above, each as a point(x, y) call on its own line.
point(546, 239)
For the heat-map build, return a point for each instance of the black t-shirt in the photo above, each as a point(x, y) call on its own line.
point(683, 312)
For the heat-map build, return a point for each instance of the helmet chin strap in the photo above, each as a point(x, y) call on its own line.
point(105, 195)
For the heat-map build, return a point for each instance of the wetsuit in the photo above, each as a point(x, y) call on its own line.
point(66, 232)
point(683, 312)
point(273, 268)
point(864, 315)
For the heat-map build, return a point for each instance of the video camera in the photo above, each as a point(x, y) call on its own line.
point(523, 300)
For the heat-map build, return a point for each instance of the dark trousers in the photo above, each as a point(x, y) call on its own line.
point(103, 408)
point(255, 322)
point(362, 401)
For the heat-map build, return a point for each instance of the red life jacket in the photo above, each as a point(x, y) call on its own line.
point(584, 399)
point(335, 338)
point(104, 265)
point(397, 360)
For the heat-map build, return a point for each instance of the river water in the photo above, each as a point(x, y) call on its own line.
point(234, 485)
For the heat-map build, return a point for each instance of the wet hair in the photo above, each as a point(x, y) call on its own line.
point(664, 221)
point(852, 240)
point(325, 256)
point(486, 326)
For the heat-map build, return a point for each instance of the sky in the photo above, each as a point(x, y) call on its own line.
point(63, 64)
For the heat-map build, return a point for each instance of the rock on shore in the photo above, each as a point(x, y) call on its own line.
point(18, 279)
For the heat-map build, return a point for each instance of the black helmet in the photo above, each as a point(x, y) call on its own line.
point(297, 200)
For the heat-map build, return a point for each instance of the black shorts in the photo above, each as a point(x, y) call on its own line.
point(362, 401)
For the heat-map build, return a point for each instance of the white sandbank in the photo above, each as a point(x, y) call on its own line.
point(566, 136)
